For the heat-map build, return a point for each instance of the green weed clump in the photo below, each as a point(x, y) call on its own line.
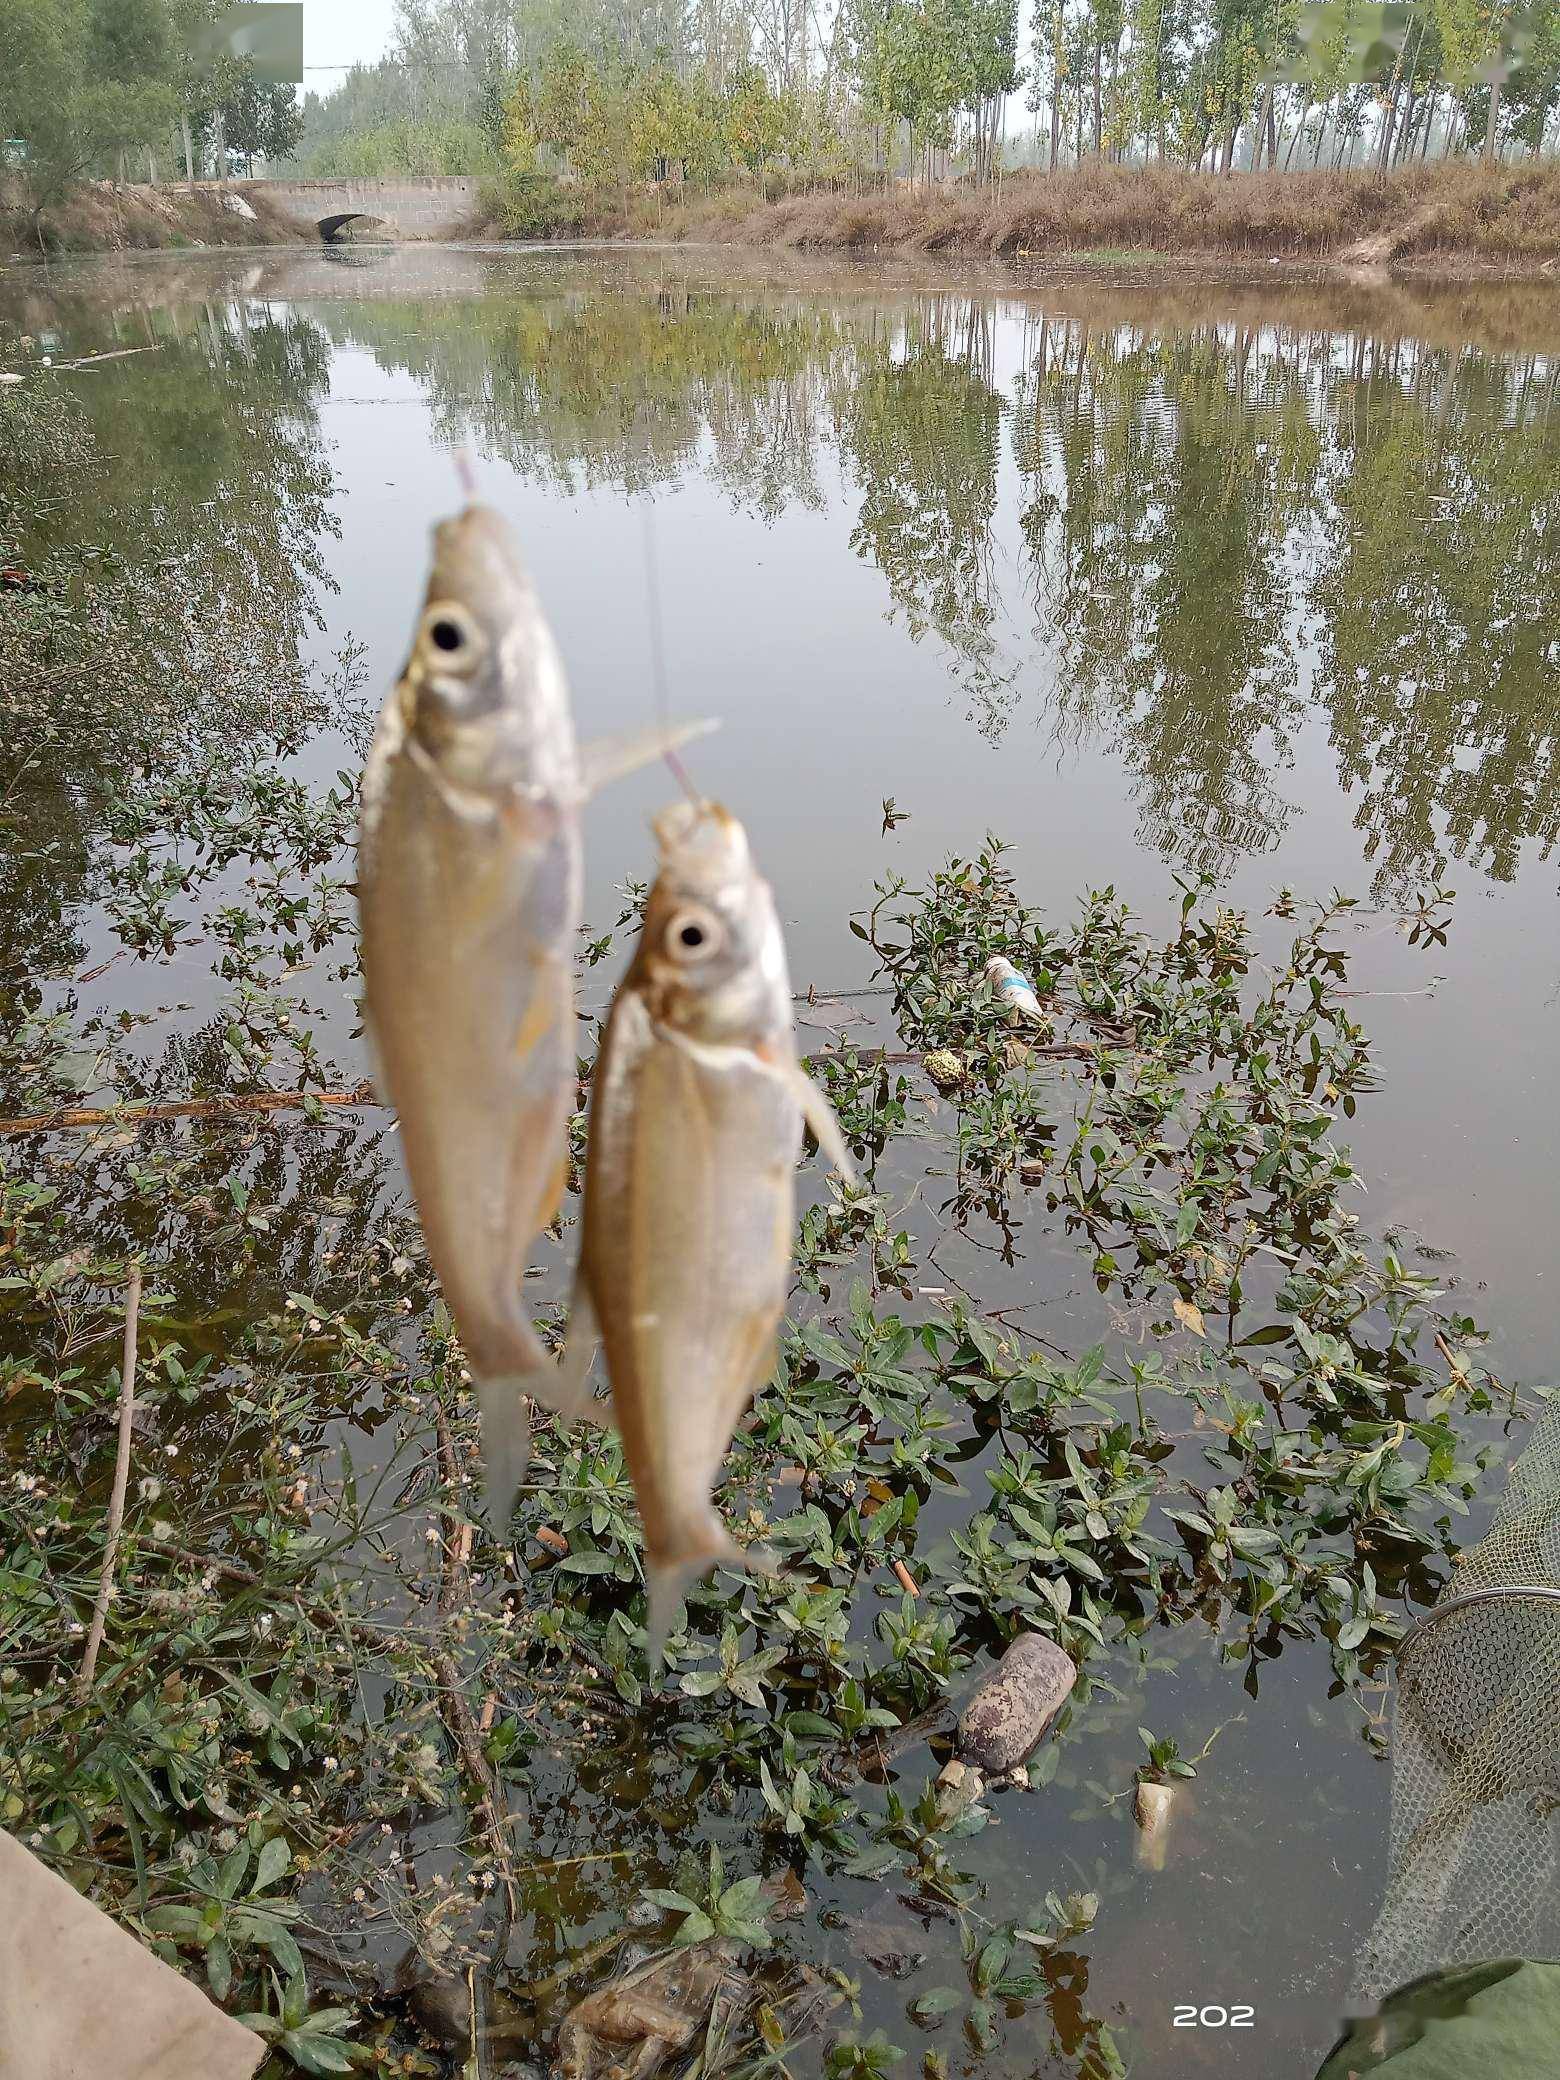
point(531, 205)
point(327, 1694)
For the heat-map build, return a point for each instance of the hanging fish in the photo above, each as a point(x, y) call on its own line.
point(469, 897)
point(696, 1113)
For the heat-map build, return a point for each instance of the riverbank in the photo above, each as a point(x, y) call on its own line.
point(97, 217)
point(1445, 218)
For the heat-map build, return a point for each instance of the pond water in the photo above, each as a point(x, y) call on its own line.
point(1151, 577)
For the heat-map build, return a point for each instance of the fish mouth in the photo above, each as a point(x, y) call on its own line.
point(701, 839)
point(476, 564)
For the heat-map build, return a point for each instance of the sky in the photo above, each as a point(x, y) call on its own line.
point(341, 33)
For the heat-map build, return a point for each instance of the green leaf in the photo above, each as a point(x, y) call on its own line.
point(273, 1860)
point(935, 2003)
point(219, 1968)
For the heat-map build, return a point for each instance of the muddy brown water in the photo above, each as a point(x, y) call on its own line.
point(1146, 575)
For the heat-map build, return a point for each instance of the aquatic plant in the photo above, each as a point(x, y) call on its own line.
point(326, 1695)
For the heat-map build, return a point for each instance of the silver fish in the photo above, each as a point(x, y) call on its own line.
point(696, 1115)
point(469, 897)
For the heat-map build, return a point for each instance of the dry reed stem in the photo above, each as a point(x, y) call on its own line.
point(116, 1505)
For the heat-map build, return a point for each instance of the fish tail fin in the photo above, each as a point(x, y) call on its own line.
point(670, 1578)
point(529, 1370)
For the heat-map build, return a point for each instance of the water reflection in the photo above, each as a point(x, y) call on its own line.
point(1221, 528)
point(171, 580)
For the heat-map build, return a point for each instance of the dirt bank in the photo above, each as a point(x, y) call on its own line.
point(1443, 218)
point(97, 217)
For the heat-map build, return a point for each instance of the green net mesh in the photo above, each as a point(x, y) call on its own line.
point(1476, 1749)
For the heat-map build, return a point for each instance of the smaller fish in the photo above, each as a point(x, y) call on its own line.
point(697, 1108)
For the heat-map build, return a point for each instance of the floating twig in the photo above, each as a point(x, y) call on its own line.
point(458, 1714)
point(229, 1102)
point(116, 1505)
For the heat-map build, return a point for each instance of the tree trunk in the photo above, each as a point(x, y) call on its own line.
point(1097, 137)
point(1493, 124)
point(1305, 110)
point(1256, 130)
point(1272, 133)
point(1056, 102)
point(221, 151)
point(1388, 132)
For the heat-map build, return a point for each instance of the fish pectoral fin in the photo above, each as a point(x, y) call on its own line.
point(506, 1444)
point(609, 758)
point(376, 1074)
point(570, 1380)
point(818, 1113)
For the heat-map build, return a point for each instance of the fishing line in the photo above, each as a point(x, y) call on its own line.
point(663, 707)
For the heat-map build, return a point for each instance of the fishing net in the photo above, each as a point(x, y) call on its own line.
point(1476, 1749)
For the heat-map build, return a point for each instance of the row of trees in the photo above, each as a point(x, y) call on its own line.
point(1178, 80)
point(109, 86)
point(605, 88)
point(1182, 539)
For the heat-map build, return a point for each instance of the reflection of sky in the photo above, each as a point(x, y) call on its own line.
point(827, 706)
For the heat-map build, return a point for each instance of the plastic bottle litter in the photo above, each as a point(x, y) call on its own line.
point(1014, 992)
point(1153, 1808)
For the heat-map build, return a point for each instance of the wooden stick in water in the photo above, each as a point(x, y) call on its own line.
point(116, 1504)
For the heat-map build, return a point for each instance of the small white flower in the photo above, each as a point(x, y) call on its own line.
point(359, 1894)
point(170, 1451)
point(314, 1325)
point(331, 1762)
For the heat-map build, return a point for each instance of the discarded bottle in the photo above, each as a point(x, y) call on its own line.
point(1153, 1807)
point(1014, 992)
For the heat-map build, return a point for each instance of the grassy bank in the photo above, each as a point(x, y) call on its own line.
point(1439, 216)
point(97, 217)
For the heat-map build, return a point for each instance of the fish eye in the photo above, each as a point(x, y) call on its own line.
point(450, 631)
point(693, 935)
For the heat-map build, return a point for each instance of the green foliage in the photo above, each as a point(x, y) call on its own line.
point(258, 118)
point(452, 145)
point(603, 123)
point(79, 81)
point(736, 1912)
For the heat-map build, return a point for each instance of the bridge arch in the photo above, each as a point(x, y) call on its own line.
point(331, 228)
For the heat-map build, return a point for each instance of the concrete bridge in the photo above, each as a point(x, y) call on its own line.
point(408, 205)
